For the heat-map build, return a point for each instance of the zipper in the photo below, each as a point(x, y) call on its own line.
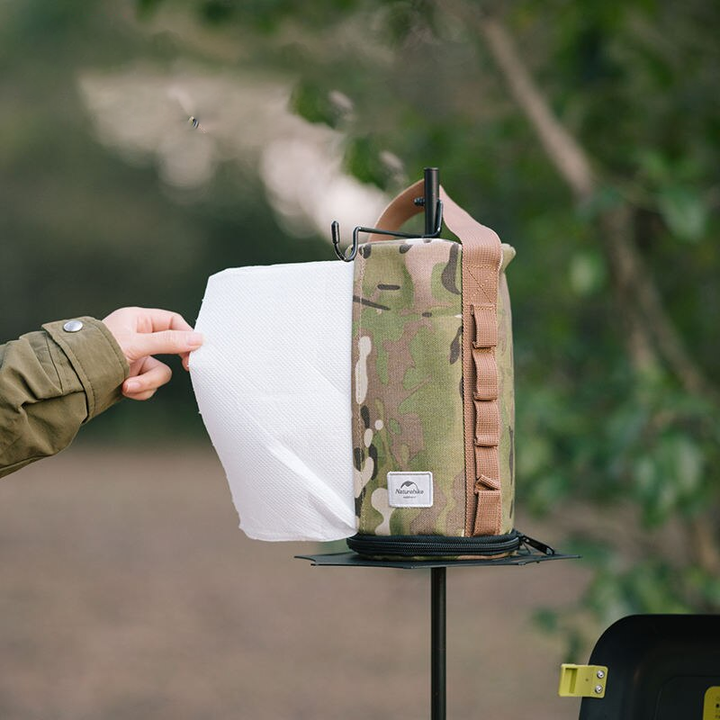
point(435, 545)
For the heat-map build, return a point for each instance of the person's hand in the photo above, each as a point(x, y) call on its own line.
point(142, 333)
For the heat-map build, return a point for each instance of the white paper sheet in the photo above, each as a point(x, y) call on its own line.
point(272, 381)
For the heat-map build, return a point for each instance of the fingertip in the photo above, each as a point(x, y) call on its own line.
point(195, 340)
point(130, 387)
point(135, 389)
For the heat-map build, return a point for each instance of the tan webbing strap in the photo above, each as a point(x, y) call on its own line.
point(481, 262)
point(400, 209)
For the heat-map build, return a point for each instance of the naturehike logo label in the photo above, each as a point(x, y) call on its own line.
point(410, 489)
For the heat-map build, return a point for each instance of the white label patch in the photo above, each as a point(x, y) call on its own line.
point(410, 489)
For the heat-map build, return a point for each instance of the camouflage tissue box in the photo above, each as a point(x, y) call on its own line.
point(432, 395)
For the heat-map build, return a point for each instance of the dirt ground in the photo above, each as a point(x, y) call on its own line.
point(127, 592)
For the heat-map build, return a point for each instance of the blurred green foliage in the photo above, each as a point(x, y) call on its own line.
point(635, 83)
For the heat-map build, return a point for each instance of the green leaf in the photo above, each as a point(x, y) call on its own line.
point(684, 212)
point(364, 159)
point(587, 273)
point(216, 12)
point(654, 166)
point(606, 198)
point(144, 9)
point(316, 105)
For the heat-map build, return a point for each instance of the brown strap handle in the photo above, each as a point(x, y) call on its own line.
point(481, 263)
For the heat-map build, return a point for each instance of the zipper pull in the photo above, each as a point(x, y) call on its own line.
point(542, 547)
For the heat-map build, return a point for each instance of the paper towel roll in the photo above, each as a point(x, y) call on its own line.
point(272, 381)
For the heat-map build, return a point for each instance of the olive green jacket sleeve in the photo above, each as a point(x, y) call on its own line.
point(51, 382)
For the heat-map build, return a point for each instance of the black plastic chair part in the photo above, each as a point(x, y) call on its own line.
point(660, 667)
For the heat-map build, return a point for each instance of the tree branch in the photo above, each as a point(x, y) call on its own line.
point(649, 330)
point(574, 166)
point(564, 152)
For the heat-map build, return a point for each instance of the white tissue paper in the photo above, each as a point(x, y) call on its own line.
point(272, 381)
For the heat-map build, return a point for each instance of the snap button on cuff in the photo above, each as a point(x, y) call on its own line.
point(73, 326)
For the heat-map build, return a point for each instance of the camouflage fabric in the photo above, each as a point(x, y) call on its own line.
point(407, 385)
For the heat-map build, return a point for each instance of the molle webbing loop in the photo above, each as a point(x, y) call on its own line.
point(481, 263)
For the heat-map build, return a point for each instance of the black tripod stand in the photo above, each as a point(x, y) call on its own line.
point(438, 605)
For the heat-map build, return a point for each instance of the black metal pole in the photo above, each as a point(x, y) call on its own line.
point(432, 193)
point(438, 614)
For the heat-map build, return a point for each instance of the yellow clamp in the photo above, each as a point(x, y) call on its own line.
point(582, 680)
point(711, 706)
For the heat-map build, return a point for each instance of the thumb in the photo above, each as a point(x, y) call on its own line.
point(165, 342)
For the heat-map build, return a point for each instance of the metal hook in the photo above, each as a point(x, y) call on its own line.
point(335, 232)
